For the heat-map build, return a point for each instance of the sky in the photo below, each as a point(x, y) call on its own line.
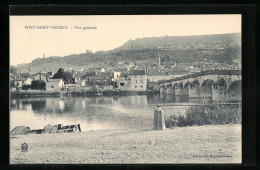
point(28, 39)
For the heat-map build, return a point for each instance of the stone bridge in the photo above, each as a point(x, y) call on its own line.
point(216, 84)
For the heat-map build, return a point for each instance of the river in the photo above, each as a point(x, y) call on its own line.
point(93, 113)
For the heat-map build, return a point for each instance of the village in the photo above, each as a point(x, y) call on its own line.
point(123, 76)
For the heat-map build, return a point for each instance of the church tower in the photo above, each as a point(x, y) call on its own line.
point(159, 59)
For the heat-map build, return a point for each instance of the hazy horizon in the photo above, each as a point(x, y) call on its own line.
point(111, 32)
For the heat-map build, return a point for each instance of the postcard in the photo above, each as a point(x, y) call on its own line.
point(125, 89)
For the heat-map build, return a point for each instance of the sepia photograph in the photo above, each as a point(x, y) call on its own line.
point(125, 89)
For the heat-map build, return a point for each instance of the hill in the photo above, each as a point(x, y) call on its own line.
point(219, 48)
point(178, 41)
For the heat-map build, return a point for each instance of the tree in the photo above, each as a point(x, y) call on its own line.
point(13, 70)
point(38, 85)
point(62, 74)
point(26, 87)
point(12, 83)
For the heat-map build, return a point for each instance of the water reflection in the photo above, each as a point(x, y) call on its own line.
point(92, 112)
point(61, 105)
point(83, 103)
point(76, 104)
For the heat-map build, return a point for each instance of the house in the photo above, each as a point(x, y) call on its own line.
point(78, 76)
point(24, 75)
point(54, 84)
point(102, 79)
point(116, 75)
point(20, 81)
point(79, 84)
point(89, 78)
point(138, 80)
point(123, 84)
point(70, 86)
point(102, 70)
point(41, 76)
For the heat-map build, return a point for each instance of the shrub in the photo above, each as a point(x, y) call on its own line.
point(206, 115)
point(38, 85)
point(26, 87)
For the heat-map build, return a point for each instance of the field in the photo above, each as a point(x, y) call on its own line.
point(191, 144)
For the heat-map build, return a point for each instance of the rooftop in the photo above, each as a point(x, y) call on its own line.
point(41, 74)
point(54, 80)
point(22, 78)
point(137, 72)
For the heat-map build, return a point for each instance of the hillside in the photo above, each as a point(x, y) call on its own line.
point(178, 41)
point(222, 48)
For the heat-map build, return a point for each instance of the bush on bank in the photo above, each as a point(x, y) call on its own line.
point(206, 115)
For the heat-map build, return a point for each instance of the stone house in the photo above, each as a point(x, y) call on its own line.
point(78, 77)
point(19, 82)
point(70, 87)
point(138, 79)
point(123, 84)
point(54, 84)
point(41, 76)
point(116, 75)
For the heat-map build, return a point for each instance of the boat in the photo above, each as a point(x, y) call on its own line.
point(22, 130)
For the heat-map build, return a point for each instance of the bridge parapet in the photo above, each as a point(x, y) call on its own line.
point(209, 72)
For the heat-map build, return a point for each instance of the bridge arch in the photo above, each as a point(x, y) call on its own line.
point(186, 89)
point(194, 90)
point(162, 89)
point(169, 89)
point(206, 88)
point(235, 90)
point(219, 89)
point(178, 88)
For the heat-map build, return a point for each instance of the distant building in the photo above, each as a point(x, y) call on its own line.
point(159, 59)
point(80, 84)
point(102, 79)
point(50, 73)
point(116, 75)
point(41, 76)
point(98, 69)
point(70, 86)
point(24, 75)
point(78, 77)
point(102, 70)
point(138, 80)
point(54, 85)
point(19, 82)
point(123, 84)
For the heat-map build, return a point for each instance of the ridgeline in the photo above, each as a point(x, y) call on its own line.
point(219, 48)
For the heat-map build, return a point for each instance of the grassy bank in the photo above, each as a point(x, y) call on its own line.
point(196, 144)
point(205, 115)
point(37, 93)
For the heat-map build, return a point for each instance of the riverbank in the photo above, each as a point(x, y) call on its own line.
point(38, 93)
point(195, 144)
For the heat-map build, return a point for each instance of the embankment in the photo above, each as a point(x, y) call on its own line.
point(32, 93)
